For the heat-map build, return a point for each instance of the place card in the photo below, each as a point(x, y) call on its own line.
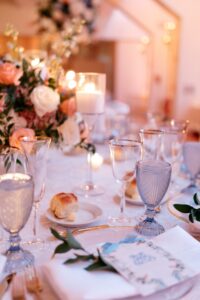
point(146, 264)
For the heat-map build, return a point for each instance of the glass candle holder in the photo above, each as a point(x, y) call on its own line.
point(90, 101)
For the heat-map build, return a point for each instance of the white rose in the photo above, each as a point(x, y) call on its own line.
point(44, 99)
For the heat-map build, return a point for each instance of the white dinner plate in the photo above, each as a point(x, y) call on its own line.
point(86, 215)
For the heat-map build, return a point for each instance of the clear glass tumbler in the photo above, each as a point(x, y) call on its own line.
point(153, 178)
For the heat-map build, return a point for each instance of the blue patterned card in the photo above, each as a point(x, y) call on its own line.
point(144, 264)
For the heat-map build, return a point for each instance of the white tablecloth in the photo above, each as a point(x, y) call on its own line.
point(64, 172)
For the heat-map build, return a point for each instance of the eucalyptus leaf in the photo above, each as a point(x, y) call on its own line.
point(78, 258)
point(73, 243)
point(57, 235)
point(62, 248)
point(197, 215)
point(184, 208)
point(191, 218)
point(196, 199)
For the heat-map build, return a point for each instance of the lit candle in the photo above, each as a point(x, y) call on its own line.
point(90, 100)
point(35, 62)
point(96, 161)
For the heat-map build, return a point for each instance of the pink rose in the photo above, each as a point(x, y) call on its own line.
point(10, 74)
point(14, 139)
point(68, 107)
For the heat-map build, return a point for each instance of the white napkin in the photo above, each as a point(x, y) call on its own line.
point(77, 284)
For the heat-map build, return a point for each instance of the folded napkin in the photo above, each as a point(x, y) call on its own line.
point(75, 283)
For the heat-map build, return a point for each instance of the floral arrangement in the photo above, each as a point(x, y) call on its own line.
point(55, 15)
point(34, 102)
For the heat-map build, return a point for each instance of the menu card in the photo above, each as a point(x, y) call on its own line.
point(147, 264)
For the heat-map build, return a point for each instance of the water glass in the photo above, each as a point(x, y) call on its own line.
point(153, 178)
point(191, 158)
point(124, 156)
point(151, 140)
point(36, 151)
point(16, 192)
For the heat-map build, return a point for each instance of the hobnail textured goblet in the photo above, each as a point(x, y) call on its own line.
point(153, 178)
point(16, 192)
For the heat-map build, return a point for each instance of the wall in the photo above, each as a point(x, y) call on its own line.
point(188, 83)
point(21, 13)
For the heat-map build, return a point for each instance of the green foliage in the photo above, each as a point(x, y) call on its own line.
point(70, 243)
point(193, 213)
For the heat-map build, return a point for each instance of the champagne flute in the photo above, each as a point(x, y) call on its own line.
point(90, 100)
point(36, 151)
point(124, 156)
point(16, 192)
point(153, 178)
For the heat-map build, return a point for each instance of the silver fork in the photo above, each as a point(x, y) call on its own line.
point(33, 282)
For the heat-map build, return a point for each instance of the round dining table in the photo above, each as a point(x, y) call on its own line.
point(64, 172)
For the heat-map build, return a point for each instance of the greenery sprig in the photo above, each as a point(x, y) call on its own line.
point(194, 213)
point(70, 243)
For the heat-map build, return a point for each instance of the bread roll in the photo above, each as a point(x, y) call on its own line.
point(64, 206)
point(131, 189)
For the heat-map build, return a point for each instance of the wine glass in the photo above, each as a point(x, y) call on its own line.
point(36, 151)
point(171, 149)
point(16, 192)
point(90, 101)
point(124, 156)
point(191, 158)
point(151, 140)
point(153, 178)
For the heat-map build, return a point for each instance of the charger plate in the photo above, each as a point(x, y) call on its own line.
point(183, 199)
point(91, 238)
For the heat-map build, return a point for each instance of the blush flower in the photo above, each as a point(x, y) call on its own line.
point(14, 139)
point(10, 74)
point(68, 107)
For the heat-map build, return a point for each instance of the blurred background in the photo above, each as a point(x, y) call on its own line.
point(149, 49)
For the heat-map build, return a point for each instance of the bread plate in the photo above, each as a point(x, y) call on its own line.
point(86, 215)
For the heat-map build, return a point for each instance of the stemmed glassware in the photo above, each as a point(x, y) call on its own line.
point(36, 151)
point(151, 140)
point(153, 178)
point(124, 156)
point(191, 158)
point(90, 100)
point(16, 192)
